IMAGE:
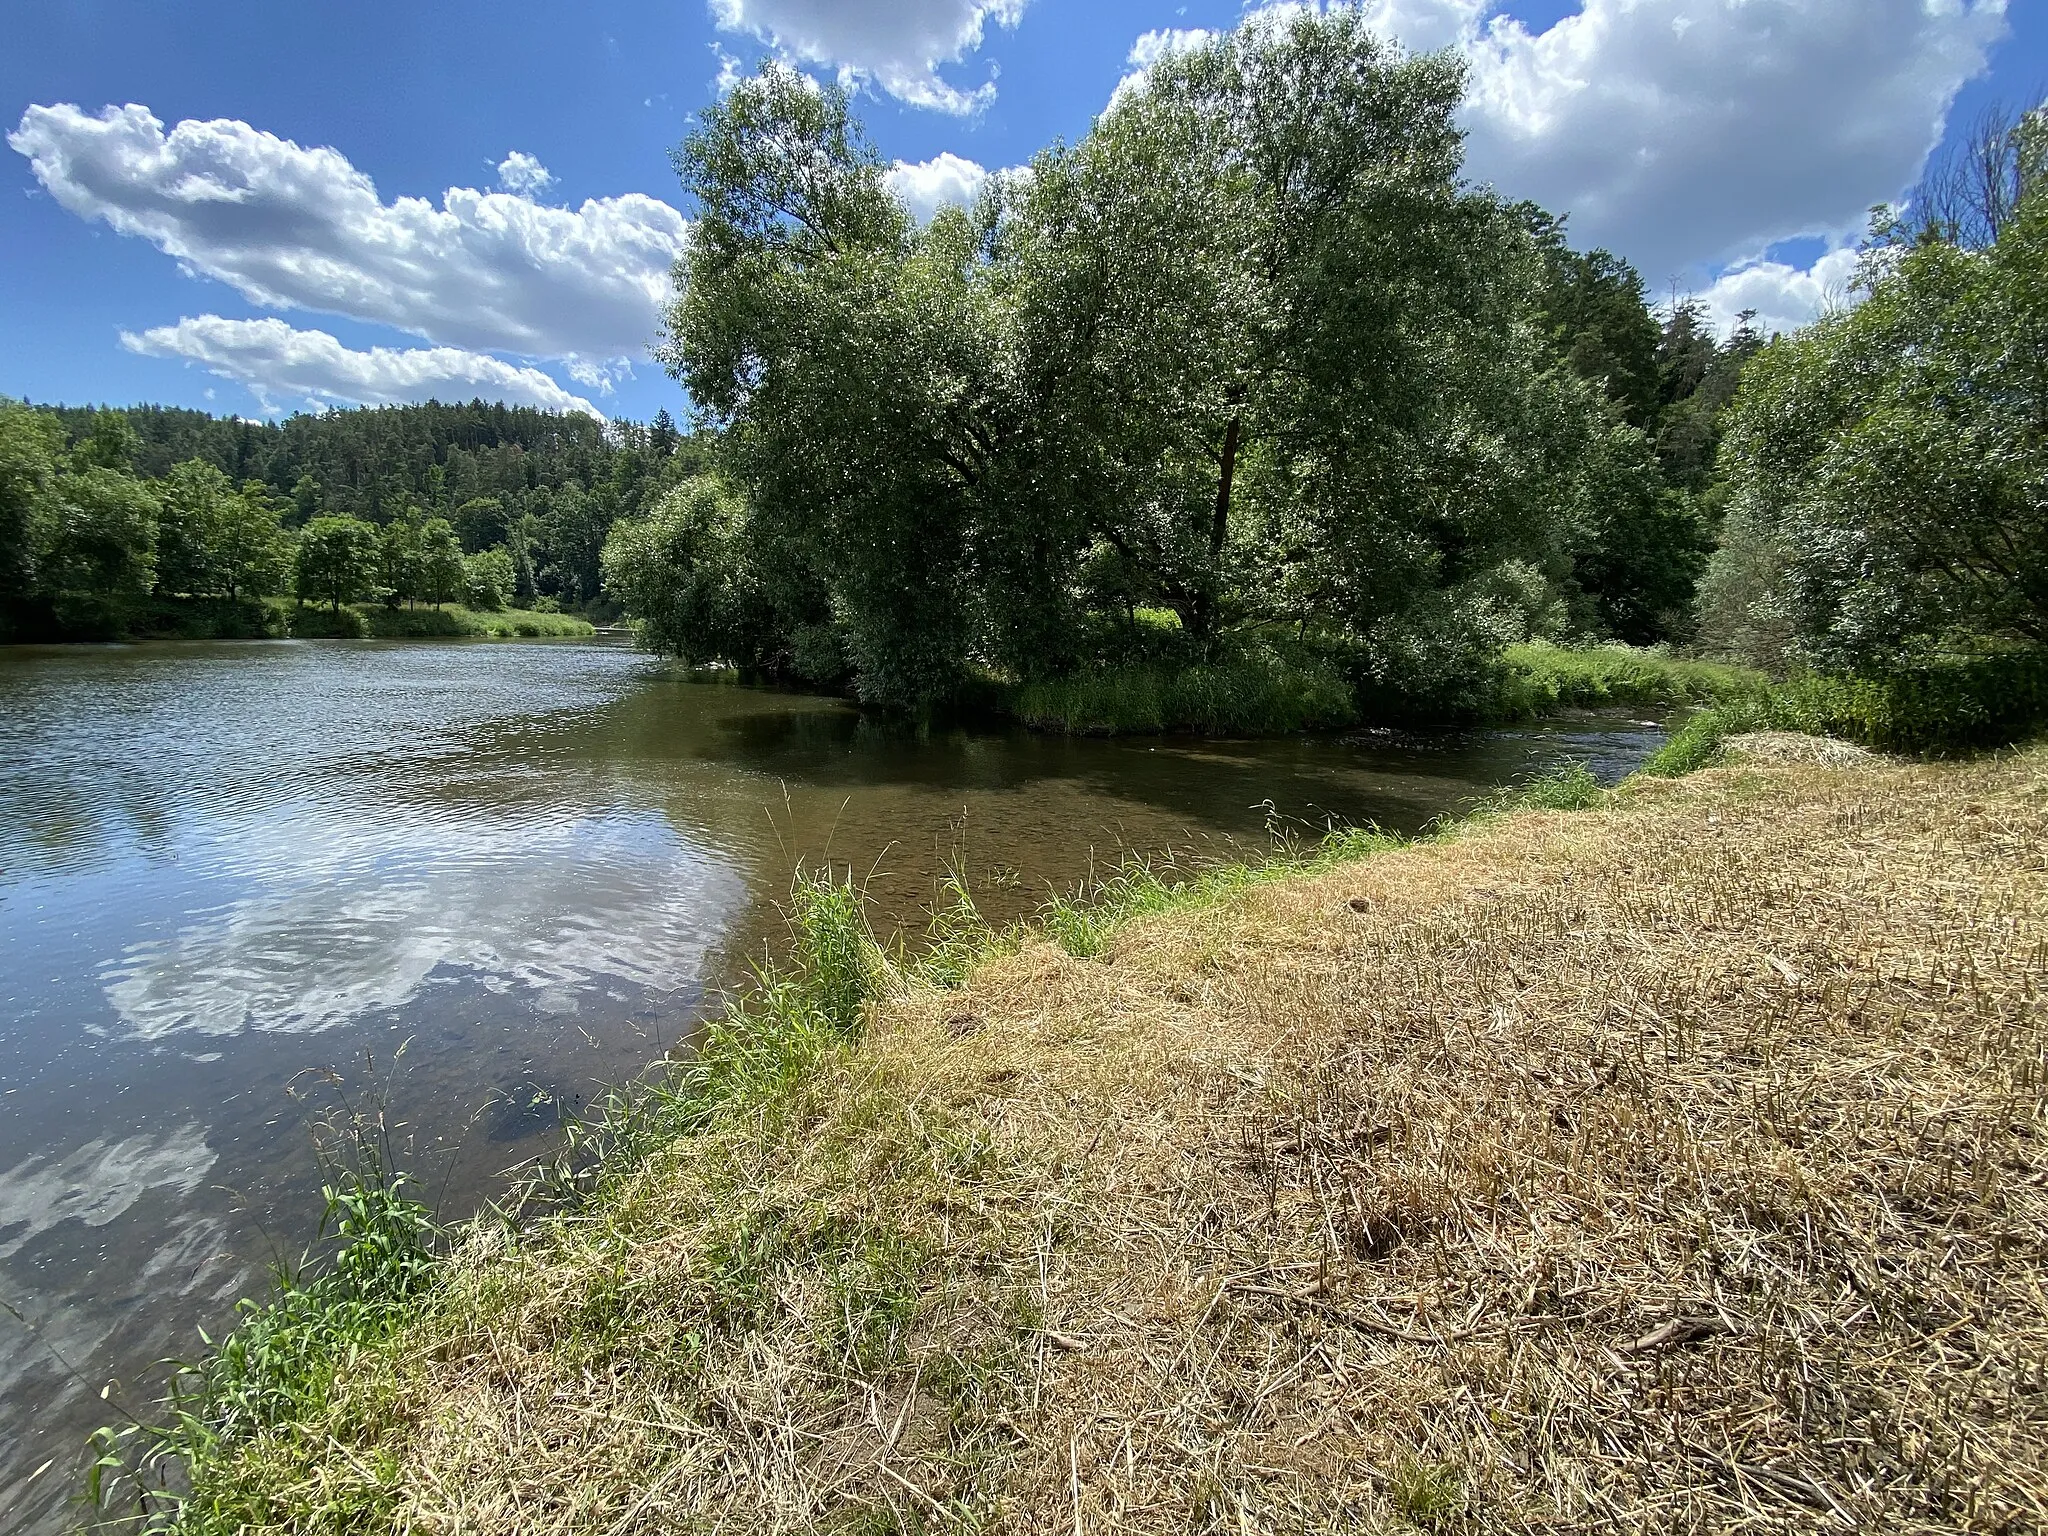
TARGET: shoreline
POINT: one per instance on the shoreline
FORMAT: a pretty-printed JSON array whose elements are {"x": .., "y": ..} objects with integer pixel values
[{"x": 849, "y": 1186}]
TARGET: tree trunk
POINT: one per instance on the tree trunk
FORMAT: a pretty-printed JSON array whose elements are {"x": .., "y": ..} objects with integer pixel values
[{"x": 1206, "y": 601}]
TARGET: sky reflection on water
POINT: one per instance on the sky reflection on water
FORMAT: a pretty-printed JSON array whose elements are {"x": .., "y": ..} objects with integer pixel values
[{"x": 470, "y": 883}]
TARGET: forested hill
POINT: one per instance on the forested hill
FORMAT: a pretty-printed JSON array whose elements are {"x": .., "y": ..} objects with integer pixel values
[
  {"x": 546, "y": 486},
  {"x": 371, "y": 461}
]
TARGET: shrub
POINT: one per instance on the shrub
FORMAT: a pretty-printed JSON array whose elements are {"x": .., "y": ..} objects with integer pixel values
[
  {"x": 1258, "y": 692},
  {"x": 1941, "y": 705},
  {"x": 1541, "y": 678}
]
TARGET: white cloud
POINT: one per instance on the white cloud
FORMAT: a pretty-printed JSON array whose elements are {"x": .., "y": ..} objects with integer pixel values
[
  {"x": 928, "y": 185},
  {"x": 1155, "y": 45},
  {"x": 274, "y": 359},
  {"x": 1161, "y": 42},
  {"x": 1782, "y": 297},
  {"x": 290, "y": 227},
  {"x": 522, "y": 175},
  {"x": 600, "y": 375},
  {"x": 1685, "y": 134},
  {"x": 1426, "y": 25},
  {"x": 898, "y": 45}
]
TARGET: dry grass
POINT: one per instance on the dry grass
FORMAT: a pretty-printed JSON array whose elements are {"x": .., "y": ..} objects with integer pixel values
[
  {"x": 1793, "y": 747},
  {"x": 1676, "y": 1165}
]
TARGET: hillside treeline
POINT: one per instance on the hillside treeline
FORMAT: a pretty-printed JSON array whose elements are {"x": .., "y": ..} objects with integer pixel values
[
  {"x": 1252, "y": 383},
  {"x": 1251, "y": 365},
  {"x": 103, "y": 510}
]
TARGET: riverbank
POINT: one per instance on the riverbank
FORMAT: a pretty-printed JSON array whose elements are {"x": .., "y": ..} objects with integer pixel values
[
  {"x": 1271, "y": 689},
  {"x": 1676, "y": 1160},
  {"x": 277, "y": 618}
]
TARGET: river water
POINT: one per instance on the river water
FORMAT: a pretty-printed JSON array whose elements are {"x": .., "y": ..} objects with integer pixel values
[{"x": 242, "y": 884}]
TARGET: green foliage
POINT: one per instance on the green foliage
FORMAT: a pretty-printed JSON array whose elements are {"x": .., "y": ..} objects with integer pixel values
[
  {"x": 381, "y": 622},
  {"x": 271, "y": 1377},
  {"x": 1427, "y": 1492},
  {"x": 100, "y": 537},
  {"x": 1743, "y": 604},
  {"x": 957, "y": 939},
  {"x": 1251, "y": 352},
  {"x": 487, "y": 579},
  {"x": 1083, "y": 922},
  {"x": 1888, "y": 472},
  {"x": 694, "y": 576},
  {"x": 192, "y": 501},
  {"x": 1944, "y": 705},
  {"x": 1542, "y": 678},
  {"x": 810, "y": 1002},
  {"x": 1593, "y": 306},
  {"x": 440, "y": 575},
  {"x": 29, "y": 444},
  {"x": 548, "y": 487},
  {"x": 216, "y": 541},
  {"x": 1570, "y": 787},
  {"x": 339, "y": 561},
  {"x": 1256, "y": 693}
]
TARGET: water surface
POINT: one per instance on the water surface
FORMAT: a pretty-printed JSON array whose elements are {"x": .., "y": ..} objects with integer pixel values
[{"x": 243, "y": 883}]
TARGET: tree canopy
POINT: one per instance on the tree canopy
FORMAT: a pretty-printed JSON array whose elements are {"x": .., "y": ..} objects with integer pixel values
[
  {"x": 1253, "y": 352},
  {"x": 1888, "y": 466}
]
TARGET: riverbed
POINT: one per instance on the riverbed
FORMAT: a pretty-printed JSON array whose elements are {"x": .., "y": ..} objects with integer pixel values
[{"x": 466, "y": 885}]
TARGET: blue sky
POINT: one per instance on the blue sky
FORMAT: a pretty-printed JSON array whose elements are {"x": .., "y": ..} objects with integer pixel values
[{"x": 259, "y": 208}]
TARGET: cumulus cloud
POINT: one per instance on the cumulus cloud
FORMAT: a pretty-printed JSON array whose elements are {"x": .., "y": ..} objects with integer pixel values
[
  {"x": 1686, "y": 134},
  {"x": 1779, "y": 296},
  {"x": 928, "y": 185},
  {"x": 1157, "y": 44},
  {"x": 290, "y": 227},
  {"x": 896, "y": 45},
  {"x": 600, "y": 375},
  {"x": 278, "y": 360},
  {"x": 524, "y": 176}
]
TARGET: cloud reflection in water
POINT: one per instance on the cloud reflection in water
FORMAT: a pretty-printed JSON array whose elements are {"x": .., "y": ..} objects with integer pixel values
[{"x": 344, "y": 918}]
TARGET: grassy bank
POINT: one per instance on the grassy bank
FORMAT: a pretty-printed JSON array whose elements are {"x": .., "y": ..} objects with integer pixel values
[
  {"x": 1675, "y": 1162},
  {"x": 1944, "y": 706},
  {"x": 1543, "y": 678},
  {"x": 1268, "y": 691},
  {"x": 274, "y": 618},
  {"x": 373, "y": 621}
]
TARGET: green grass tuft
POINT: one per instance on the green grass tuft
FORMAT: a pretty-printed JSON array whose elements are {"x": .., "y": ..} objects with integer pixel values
[
  {"x": 1543, "y": 678},
  {"x": 1570, "y": 787},
  {"x": 1259, "y": 693},
  {"x": 1938, "y": 707},
  {"x": 1426, "y": 1491},
  {"x": 372, "y": 621},
  {"x": 1083, "y": 922},
  {"x": 270, "y": 1380}
]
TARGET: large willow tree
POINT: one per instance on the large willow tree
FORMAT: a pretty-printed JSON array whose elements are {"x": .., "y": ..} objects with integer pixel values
[{"x": 1252, "y": 351}]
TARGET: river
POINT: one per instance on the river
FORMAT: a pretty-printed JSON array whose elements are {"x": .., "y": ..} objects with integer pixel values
[{"x": 471, "y": 883}]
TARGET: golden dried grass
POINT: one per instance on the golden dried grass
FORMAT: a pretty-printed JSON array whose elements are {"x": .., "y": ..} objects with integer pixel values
[{"x": 1677, "y": 1165}]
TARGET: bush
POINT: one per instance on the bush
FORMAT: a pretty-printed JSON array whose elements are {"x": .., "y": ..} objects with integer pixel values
[
  {"x": 307, "y": 623},
  {"x": 1541, "y": 678},
  {"x": 365, "y": 623},
  {"x": 1946, "y": 705},
  {"x": 270, "y": 1379},
  {"x": 1258, "y": 692},
  {"x": 1943, "y": 705}
]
